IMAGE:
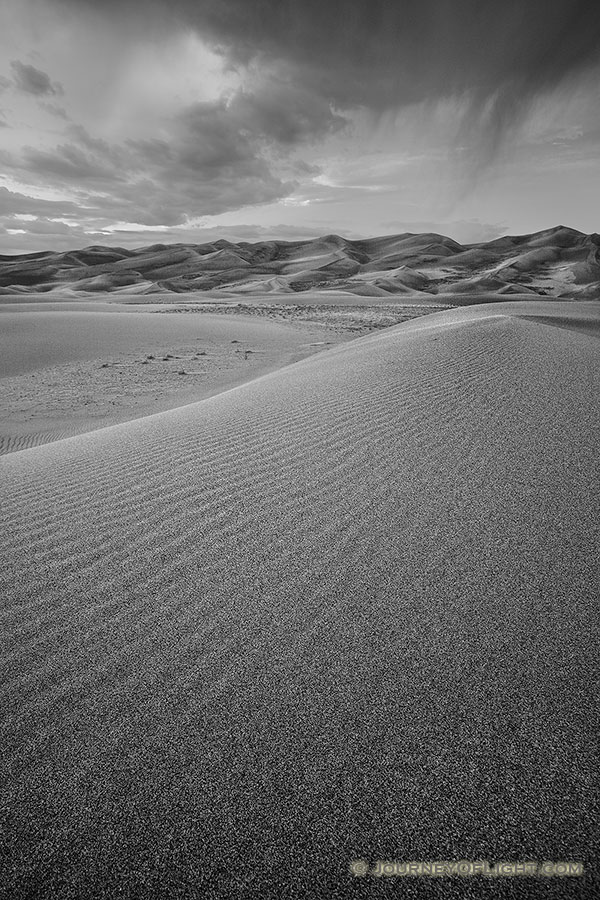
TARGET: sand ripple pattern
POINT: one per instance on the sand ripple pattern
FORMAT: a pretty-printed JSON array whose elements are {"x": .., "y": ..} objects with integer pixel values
[
  {"x": 12, "y": 443},
  {"x": 348, "y": 610}
]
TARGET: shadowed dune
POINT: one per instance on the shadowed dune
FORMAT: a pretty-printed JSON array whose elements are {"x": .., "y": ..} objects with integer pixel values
[
  {"x": 345, "y": 611},
  {"x": 558, "y": 262}
]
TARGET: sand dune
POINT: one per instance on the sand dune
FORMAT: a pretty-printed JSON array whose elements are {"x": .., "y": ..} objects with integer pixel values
[
  {"x": 347, "y": 610},
  {"x": 69, "y": 368},
  {"x": 558, "y": 262}
]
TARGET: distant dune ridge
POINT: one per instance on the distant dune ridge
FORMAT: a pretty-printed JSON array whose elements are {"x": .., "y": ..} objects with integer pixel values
[
  {"x": 559, "y": 262},
  {"x": 347, "y": 610}
]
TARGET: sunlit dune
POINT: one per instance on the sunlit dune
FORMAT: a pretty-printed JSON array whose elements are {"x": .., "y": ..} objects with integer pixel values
[
  {"x": 559, "y": 262},
  {"x": 346, "y": 607}
]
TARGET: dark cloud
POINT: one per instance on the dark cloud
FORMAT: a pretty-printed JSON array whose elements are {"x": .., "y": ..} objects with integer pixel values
[
  {"x": 13, "y": 203},
  {"x": 153, "y": 151},
  {"x": 285, "y": 112},
  {"x": 207, "y": 139},
  {"x": 67, "y": 162},
  {"x": 33, "y": 81},
  {"x": 211, "y": 163},
  {"x": 40, "y": 226},
  {"x": 385, "y": 53},
  {"x": 219, "y": 156},
  {"x": 307, "y": 66}
]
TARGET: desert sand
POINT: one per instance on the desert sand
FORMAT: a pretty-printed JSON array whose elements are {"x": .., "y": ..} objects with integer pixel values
[
  {"x": 558, "y": 262},
  {"x": 65, "y": 371},
  {"x": 68, "y": 365},
  {"x": 346, "y": 610}
]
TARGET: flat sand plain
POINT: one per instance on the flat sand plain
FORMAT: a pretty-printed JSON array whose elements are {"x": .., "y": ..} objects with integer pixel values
[
  {"x": 66, "y": 370},
  {"x": 71, "y": 366},
  {"x": 345, "y": 611}
]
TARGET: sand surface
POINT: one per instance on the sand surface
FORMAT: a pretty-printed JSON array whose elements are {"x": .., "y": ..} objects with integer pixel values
[
  {"x": 65, "y": 371},
  {"x": 558, "y": 262},
  {"x": 67, "y": 367},
  {"x": 347, "y": 610}
]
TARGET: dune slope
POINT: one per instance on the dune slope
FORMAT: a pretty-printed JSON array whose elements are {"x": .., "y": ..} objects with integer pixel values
[
  {"x": 558, "y": 262},
  {"x": 348, "y": 610}
]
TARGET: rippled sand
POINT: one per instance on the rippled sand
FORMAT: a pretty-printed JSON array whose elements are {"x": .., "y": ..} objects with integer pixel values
[{"x": 347, "y": 610}]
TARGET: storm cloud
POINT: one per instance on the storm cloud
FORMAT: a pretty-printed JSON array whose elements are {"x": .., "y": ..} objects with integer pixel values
[
  {"x": 211, "y": 163},
  {"x": 369, "y": 111},
  {"x": 14, "y": 203},
  {"x": 385, "y": 53}
]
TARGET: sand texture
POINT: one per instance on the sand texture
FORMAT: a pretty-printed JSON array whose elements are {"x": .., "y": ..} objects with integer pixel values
[
  {"x": 65, "y": 371},
  {"x": 346, "y": 610},
  {"x": 558, "y": 262}
]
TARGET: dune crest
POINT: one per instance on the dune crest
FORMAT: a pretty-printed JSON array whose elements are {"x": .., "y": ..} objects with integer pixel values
[
  {"x": 558, "y": 262},
  {"x": 345, "y": 611}
]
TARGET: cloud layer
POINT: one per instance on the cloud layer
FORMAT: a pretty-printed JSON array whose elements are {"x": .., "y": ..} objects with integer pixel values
[
  {"x": 293, "y": 104},
  {"x": 383, "y": 54}
]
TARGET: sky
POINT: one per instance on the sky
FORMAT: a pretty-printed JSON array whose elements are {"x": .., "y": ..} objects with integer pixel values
[{"x": 129, "y": 122}]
